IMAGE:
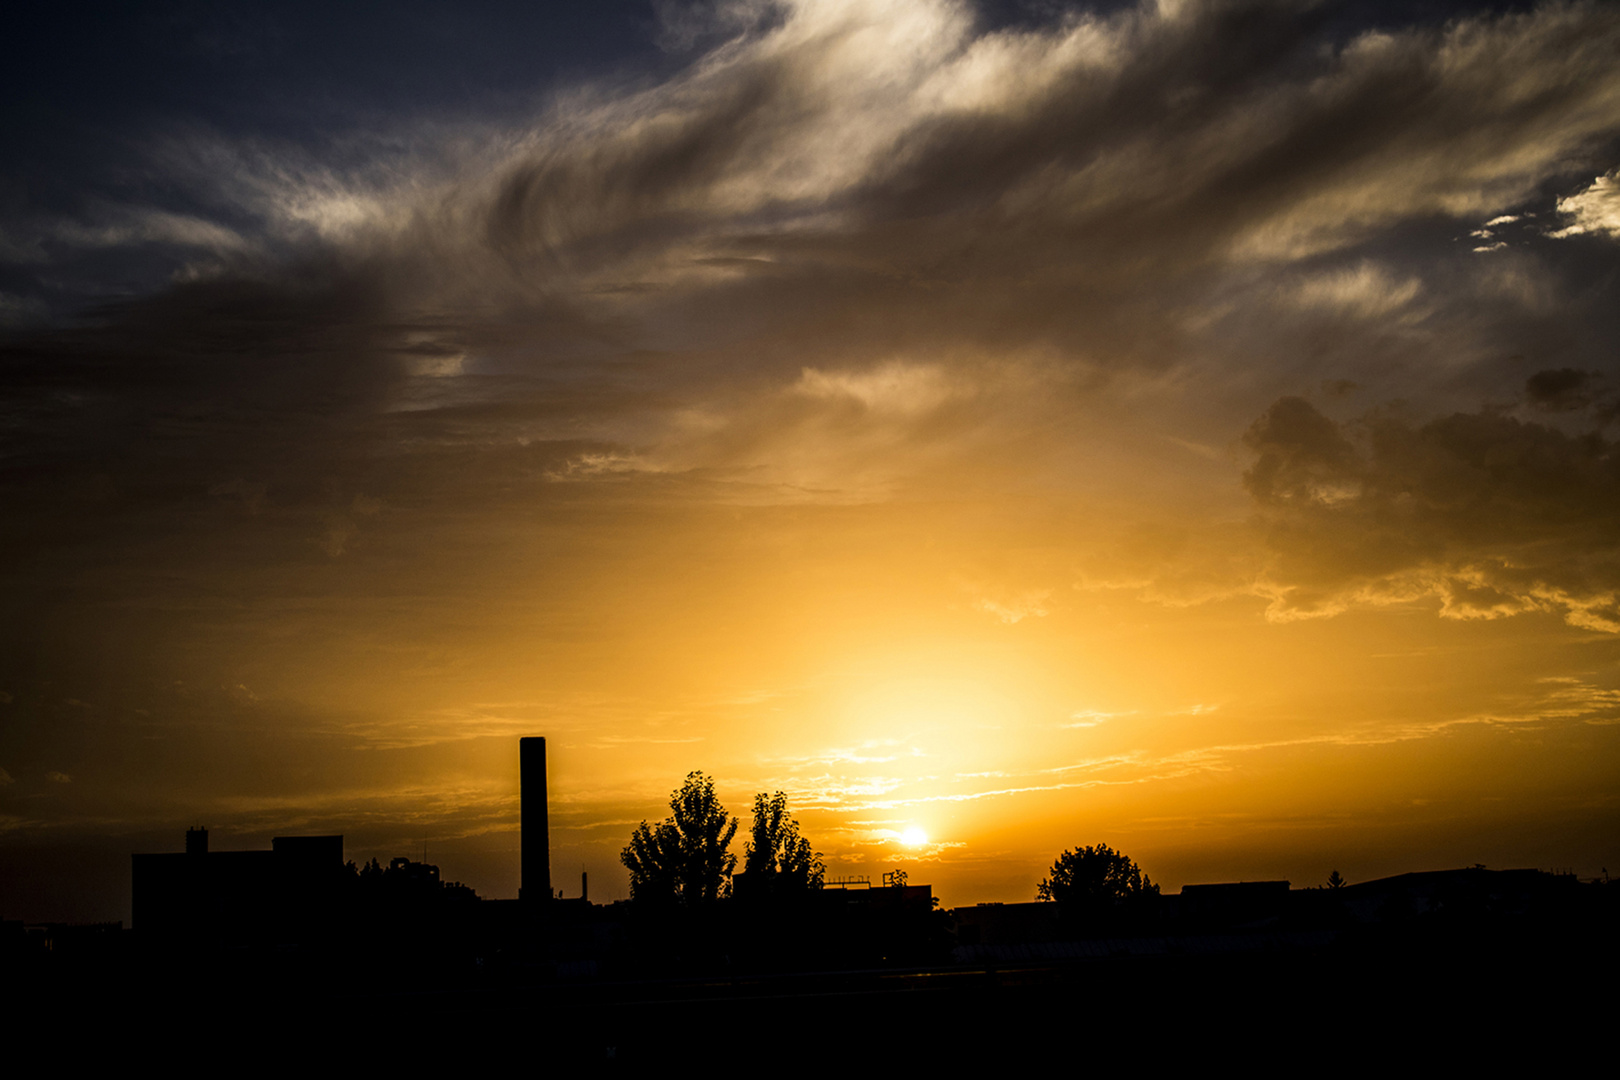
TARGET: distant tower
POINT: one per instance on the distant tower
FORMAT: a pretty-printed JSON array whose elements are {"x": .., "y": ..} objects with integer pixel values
[
  {"x": 535, "y": 882},
  {"x": 197, "y": 841}
]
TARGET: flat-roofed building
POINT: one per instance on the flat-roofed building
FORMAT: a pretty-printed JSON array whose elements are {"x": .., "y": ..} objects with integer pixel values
[{"x": 285, "y": 894}]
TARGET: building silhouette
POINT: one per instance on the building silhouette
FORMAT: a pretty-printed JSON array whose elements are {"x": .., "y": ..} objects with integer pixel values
[
  {"x": 404, "y": 919},
  {"x": 235, "y": 897}
]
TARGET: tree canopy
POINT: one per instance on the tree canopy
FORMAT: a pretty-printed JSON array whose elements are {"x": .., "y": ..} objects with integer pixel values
[
  {"x": 776, "y": 853},
  {"x": 1095, "y": 878},
  {"x": 684, "y": 857}
]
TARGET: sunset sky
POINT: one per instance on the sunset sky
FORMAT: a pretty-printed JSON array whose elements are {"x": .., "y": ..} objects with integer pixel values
[{"x": 1188, "y": 426}]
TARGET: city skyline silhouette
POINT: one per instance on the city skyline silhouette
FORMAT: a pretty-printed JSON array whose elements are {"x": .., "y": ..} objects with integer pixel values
[{"x": 989, "y": 432}]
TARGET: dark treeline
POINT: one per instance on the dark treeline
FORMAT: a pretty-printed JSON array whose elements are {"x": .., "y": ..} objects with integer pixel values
[
  {"x": 769, "y": 939},
  {"x": 1255, "y": 964}
]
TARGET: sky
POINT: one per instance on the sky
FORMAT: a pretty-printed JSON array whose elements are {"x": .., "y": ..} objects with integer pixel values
[{"x": 1188, "y": 426}]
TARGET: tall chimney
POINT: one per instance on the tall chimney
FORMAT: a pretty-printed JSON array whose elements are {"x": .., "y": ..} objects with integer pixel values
[{"x": 535, "y": 882}]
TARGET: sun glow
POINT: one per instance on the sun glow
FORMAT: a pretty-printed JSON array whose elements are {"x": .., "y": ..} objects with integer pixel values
[{"x": 912, "y": 836}]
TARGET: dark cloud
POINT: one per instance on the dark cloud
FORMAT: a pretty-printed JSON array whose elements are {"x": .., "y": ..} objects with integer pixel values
[
  {"x": 875, "y": 239},
  {"x": 1070, "y": 185},
  {"x": 899, "y": 168},
  {"x": 1491, "y": 514},
  {"x": 1561, "y": 389},
  {"x": 850, "y": 244},
  {"x": 1300, "y": 451}
]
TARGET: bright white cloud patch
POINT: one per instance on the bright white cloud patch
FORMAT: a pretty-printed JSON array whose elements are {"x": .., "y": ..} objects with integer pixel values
[{"x": 1595, "y": 210}]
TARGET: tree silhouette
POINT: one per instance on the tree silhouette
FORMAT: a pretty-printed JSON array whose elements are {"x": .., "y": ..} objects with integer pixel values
[
  {"x": 653, "y": 858},
  {"x": 1095, "y": 878},
  {"x": 776, "y": 853},
  {"x": 684, "y": 857},
  {"x": 1334, "y": 881}
]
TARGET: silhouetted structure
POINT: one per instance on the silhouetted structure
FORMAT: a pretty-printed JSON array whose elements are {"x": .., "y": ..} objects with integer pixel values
[
  {"x": 684, "y": 859},
  {"x": 535, "y": 839},
  {"x": 1234, "y": 902},
  {"x": 226, "y": 897},
  {"x": 380, "y": 929}
]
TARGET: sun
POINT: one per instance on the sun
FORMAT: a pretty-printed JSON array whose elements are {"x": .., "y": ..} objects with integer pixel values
[{"x": 912, "y": 836}]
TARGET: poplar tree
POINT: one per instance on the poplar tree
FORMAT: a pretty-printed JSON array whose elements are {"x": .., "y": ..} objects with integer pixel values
[
  {"x": 777, "y": 853},
  {"x": 684, "y": 858}
]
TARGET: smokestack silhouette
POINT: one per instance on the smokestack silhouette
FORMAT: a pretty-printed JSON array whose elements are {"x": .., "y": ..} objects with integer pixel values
[{"x": 535, "y": 879}]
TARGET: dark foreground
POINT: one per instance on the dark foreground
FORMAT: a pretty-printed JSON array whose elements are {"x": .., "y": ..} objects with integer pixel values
[{"x": 1459, "y": 996}]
